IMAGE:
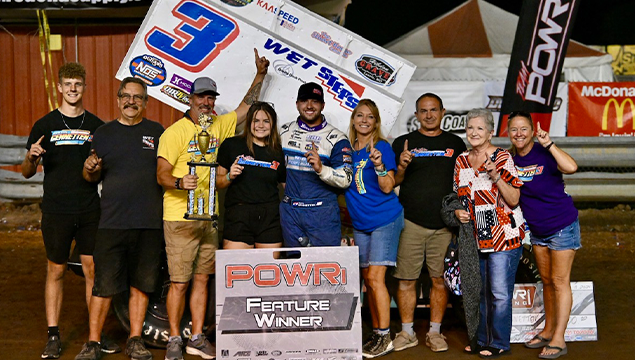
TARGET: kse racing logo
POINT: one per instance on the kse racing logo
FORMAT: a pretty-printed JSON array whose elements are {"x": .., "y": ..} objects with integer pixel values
[
  {"x": 345, "y": 91},
  {"x": 197, "y": 40}
]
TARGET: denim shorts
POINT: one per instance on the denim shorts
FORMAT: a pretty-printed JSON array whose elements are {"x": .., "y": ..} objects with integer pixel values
[
  {"x": 568, "y": 238},
  {"x": 379, "y": 247}
]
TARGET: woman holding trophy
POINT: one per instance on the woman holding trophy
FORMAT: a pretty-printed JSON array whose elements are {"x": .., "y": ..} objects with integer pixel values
[{"x": 251, "y": 166}]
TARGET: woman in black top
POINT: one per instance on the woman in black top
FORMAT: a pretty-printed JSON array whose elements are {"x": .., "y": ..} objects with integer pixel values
[{"x": 251, "y": 166}]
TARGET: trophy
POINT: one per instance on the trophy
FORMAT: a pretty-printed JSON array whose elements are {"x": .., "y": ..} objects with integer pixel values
[{"x": 196, "y": 201}]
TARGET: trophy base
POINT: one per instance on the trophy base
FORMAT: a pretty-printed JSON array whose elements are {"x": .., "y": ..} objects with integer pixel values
[{"x": 204, "y": 217}]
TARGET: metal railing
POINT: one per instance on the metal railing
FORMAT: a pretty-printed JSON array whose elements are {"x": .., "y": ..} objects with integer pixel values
[{"x": 606, "y": 168}]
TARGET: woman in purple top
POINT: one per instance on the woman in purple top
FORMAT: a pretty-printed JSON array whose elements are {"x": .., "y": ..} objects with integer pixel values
[{"x": 553, "y": 221}]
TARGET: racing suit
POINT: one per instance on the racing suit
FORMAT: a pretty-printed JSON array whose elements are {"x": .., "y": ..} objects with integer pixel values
[{"x": 309, "y": 212}]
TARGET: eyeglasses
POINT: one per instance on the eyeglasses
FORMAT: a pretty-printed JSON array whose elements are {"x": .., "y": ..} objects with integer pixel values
[
  {"x": 524, "y": 114},
  {"x": 126, "y": 97}
]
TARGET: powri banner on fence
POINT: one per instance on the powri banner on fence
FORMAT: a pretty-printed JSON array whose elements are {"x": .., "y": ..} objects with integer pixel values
[
  {"x": 601, "y": 109},
  {"x": 182, "y": 40}
]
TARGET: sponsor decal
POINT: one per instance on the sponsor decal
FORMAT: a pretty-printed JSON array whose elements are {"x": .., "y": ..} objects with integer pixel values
[
  {"x": 272, "y": 275},
  {"x": 527, "y": 173},
  {"x": 197, "y": 40},
  {"x": 237, "y": 3},
  {"x": 348, "y": 350},
  {"x": 345, "y": 91},
  {"x": 606, "y": 91},
  {"x": 148, "y": 142},
  {"x": 347, "y": 159},
  {"x": 148, "y": 68},
  {"x": 309, "y": 147},
  {"x": 544, "y": 54},
  {"x": 619, "y": 112},
  {"x": 329, "y": 351},
  {"x": 181, "y": 83},
  {"x": 276, "y": 353},
  {"x": 286, "y": 19},
  {"x": 176, "y": 94},
  {"x": 315, "y": 138},
  {"x": 262, "y": 353},
  {"x": 375, "y": 69},
  {"x": 70, "y": 137},
  {"x": 285, "y": 69},
  {"x": 312, "y": 351},
  {"x": 524, "y": 296},
  {"x": 333, "y": 45},
  {"x": 293, "y": 352},
  {"x": 224, "y": 353},
  {"x": 242, "y": 353}
]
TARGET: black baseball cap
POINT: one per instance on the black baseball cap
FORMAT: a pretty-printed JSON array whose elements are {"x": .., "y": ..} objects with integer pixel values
[{"x": 311, "y": 90}]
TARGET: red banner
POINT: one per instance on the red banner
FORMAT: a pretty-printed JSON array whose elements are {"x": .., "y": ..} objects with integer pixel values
[{"x": 601, "y": 109}]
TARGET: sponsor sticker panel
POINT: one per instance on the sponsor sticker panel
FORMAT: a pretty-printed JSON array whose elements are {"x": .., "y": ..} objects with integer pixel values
[
  {"x": 528, "y": 316},
  {"x": 294, "y": 308},
  {"x": 181, "y": 40},
  {"x": 601, "y": 109}
]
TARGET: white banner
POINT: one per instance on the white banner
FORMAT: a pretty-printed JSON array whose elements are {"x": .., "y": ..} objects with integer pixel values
[
  {"x": 528, "y": 313},
  {"x": 459, "y": 97},
  {"x": 288, "y": 309},
  {"x": 182, "y": 40}
]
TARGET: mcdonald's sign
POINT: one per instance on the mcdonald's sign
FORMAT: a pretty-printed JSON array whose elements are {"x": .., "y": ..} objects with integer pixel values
[
  {"x": 619, "y": 112},
  {"x": 601, "y": 109}
]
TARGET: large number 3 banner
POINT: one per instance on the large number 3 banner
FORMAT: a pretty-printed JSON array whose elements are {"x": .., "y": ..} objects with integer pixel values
[{"x": 181, "y": 40}]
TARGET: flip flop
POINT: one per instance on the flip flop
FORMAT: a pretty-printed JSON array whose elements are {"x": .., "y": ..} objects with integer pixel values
[
  {"x": 542, "y": 343},
  {"x": 494, "y": 352},
  {"x": 476, "y": 350},
  {"x": 561, "y": 351}
]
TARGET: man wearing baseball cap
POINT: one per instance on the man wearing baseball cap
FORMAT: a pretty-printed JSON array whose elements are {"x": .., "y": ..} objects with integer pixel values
[
  {"x": 319, "y": 166},
  {"x": 191, "y": 244}
]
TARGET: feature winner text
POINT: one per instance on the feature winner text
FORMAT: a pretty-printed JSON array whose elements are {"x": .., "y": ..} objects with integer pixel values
[{"x": 262, "y": 307}]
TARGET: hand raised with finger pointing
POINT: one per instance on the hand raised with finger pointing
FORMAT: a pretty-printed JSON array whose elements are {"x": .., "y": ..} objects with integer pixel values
[
  {"x": 313, "y": 158},
  {"x": 542, "y": 136},
  {"x": 406, "y": 156},
  {"x": 36, "y": 150},
  {"x": 92, "y": 163},
  {"x": 375, "y": 155}
]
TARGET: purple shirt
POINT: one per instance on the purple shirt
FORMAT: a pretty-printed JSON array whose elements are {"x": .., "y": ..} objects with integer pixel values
[{"x": 545, "y": 204}]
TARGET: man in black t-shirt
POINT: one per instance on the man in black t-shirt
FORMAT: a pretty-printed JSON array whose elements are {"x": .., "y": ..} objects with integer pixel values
[
  {"x": 425, "y": 169},
  {"x": 60, "y": 141},
  {"x": 130, "y": 236}
]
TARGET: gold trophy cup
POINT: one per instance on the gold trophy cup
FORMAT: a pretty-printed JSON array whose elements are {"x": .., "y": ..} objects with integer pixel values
[{"x": 196, "y": 209}]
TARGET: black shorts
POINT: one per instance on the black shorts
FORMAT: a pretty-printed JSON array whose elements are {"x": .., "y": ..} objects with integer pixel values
[
  {"x": 127, "y": 257},
  {"x": 253, "y": 223},
  {"x": 59, "y": 230}
]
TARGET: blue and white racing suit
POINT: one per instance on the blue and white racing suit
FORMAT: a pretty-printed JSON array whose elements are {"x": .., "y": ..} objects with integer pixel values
[{"x": 309, "y": 209}]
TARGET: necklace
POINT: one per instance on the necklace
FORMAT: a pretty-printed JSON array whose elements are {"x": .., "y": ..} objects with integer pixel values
[{"x": 68, "y": 127}]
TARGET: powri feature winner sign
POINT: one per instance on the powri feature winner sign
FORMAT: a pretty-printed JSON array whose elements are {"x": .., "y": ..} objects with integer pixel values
[{"x": 293, "y": 308}]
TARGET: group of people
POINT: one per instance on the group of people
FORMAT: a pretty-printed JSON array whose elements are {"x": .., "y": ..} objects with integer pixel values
[{"x": 145, "y": 182}]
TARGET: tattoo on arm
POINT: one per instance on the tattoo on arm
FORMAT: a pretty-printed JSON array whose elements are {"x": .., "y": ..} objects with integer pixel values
[{"x": 253, "y": 94}]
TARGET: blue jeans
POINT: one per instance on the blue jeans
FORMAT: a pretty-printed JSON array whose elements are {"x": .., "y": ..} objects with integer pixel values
[
  {"x": 379, "y": 247},
  {"x": 567, "y": 238},
  {"x": 498, "y": 272}
]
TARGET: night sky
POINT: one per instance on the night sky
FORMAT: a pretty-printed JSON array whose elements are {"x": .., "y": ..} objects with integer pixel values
[{"x": 598, "y": 22}]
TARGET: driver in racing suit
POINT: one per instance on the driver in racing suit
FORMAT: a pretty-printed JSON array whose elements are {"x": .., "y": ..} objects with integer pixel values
[{"x": 319, "y": 166}]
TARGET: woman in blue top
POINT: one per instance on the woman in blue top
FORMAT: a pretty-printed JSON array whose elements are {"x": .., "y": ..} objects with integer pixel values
[
  {"x": 553, "y": 221},
  {"x": 377, "y": 217}
]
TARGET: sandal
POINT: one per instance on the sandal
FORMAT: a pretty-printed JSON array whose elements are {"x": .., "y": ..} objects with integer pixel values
[
  {"x": 537, "y": 345},
  {"x": 561, "y": 351},
  {"x": 468, "y": 349},
  {"x": 493, "y": 352}
]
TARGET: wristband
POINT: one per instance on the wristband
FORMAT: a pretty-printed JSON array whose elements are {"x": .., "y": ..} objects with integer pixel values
[
  {"x": 381, "y": 173},
  {"x": 177, "y": 184},
  {"x": 228, "y": 178},
  {"x": 498, "y": 178},
  {"x": 548, "y": 146}
]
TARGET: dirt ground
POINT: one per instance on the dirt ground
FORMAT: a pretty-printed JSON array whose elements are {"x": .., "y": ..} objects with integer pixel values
[{"x": 607, "y": 258}]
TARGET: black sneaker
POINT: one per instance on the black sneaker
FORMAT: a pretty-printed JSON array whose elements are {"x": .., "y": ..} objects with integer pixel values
[
  {"x": 381, "y": 346},
  {"x": 90, "y": 351},
  {"x": 174, "y": 349},
  {"x": 201, "y": 347},
  {"x": 136, "y": 349},
  {"x": 108, "y": 346},
  {"x": 53, "y": 348}
]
